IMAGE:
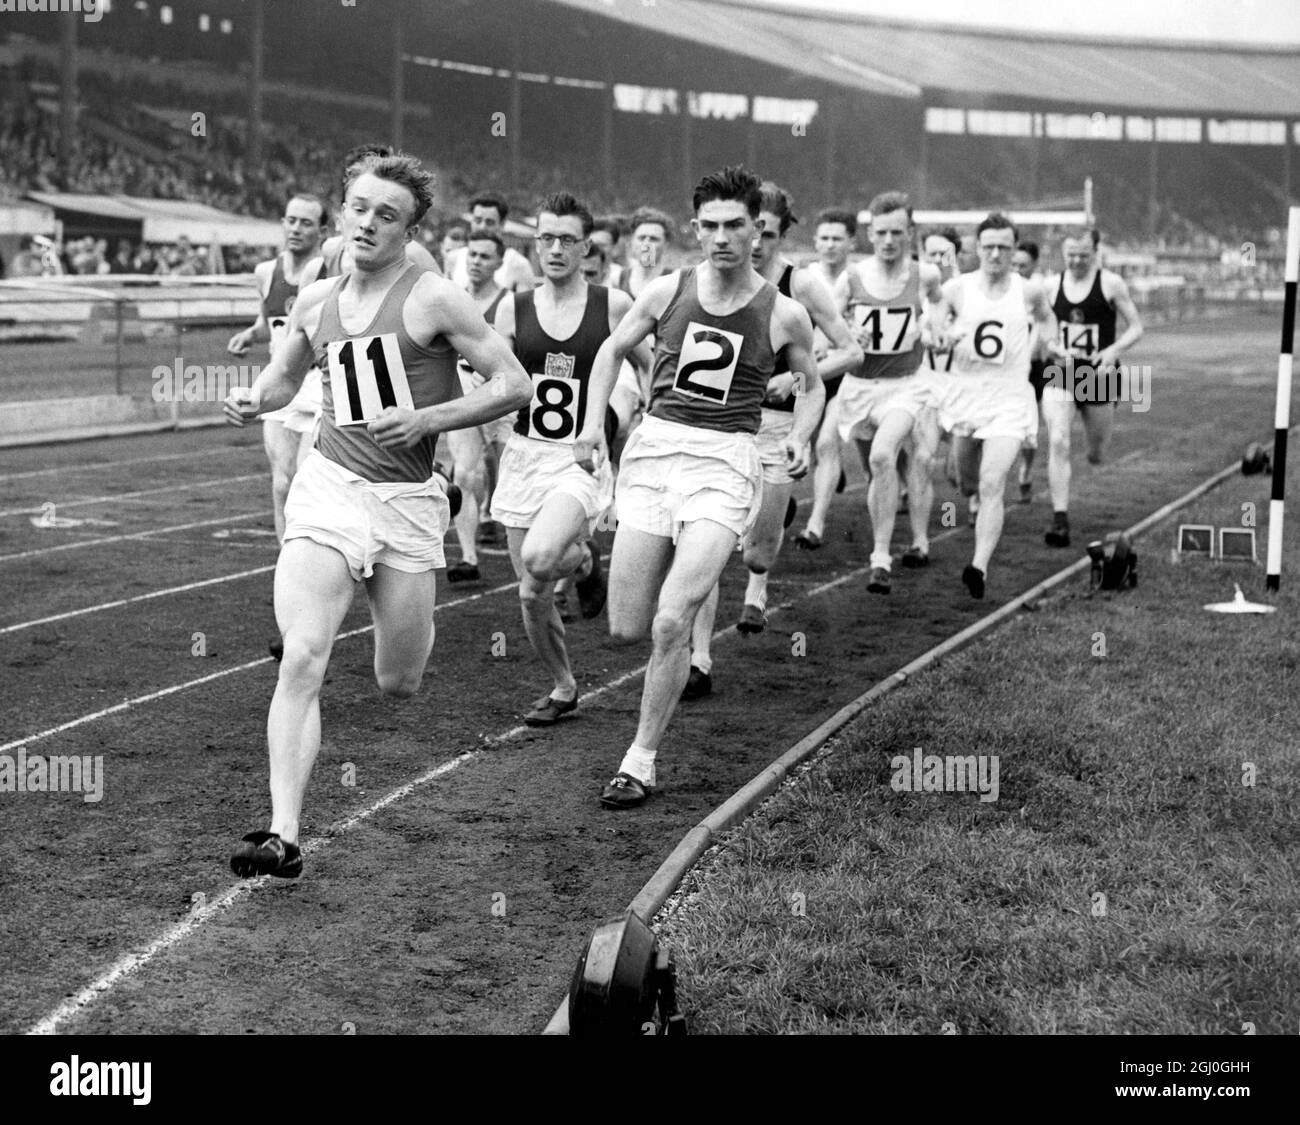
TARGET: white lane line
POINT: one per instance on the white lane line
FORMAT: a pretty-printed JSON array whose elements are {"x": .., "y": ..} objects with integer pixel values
[
  {"x": 134, "y": 535},
  {"x": 132, "y": 495},
  {"x": 138, "y": 598},
  {"x": 133, "y": 962},
  {"x": 127, "y": 704},
  {"x": 95, "y": 466}
]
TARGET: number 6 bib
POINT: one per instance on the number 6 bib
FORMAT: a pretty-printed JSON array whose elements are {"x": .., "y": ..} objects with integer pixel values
[
  {"x": 366, "y": 377},
  {"x": 708, "y": 362}
]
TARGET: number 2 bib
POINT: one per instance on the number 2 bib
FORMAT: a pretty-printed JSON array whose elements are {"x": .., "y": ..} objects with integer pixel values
[
  {"x": 366, "y": 377},
  {"x": 708, "y": 361}
]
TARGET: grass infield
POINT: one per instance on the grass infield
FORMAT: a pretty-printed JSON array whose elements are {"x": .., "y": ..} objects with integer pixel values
[{"x": 1136, "y": 874}]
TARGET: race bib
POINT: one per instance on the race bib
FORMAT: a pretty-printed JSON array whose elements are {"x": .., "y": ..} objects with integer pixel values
[
  {"x": 708, "y": 361},
  {"x": 279, "y": 326},
  {"x": 366, "y": 377},
  {"x": 559, "y": 402},
  {"x": 889, "y": 331},
  {"x": 989, "y": 342},
  {"x": 1080, "y": 340}
]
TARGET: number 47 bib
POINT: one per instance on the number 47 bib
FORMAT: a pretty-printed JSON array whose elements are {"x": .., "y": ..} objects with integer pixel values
[{"x": 366, "y": 377}]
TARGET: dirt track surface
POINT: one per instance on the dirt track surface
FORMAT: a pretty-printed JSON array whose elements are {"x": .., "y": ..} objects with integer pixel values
[{"x": 462, "y": 906}]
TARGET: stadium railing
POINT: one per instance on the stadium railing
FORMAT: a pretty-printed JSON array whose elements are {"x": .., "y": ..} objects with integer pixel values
[{"x": 91, "y": 356}]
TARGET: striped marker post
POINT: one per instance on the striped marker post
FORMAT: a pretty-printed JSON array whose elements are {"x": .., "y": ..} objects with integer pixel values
[{"x": 1282, "y": 413}]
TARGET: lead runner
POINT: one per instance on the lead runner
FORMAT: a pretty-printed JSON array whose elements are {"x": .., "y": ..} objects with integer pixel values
[
  {"x": 691, "y": 481},
  {"x": 362, "y": 506}
]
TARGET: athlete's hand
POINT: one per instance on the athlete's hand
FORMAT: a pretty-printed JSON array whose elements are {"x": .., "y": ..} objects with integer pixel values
[
  {"x": 1106, "y": 359},
  {"x": 779, "y": 387},
  {"x": 241, "y": 406},
  {"x": 398, "y": 427},
  {"x": 239, "y": 342},
  {"x": 798, "y": 457},
  {"x": 590, "y": 453}
]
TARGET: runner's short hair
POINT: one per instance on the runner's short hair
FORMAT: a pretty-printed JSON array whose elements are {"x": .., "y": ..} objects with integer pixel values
[
  {"x": 847, "y": 218},
  {"x": 487, "y": 236},
  {"x": 399, "y": 168},
  {"x": 779, "y": 202},
  {"x": 360, "y": 152},
  {"x": 561, "y": 204},
  {"x": 995, "y": 221},
  {"x": 490, "y": 199},
  {"x": 733, "y": 182},
  {"x": 610, "y": 224},
  {"x": 1079, "y": 234},
  {"x": 312, "y": 197},
  {"x": 1030, "y": 248},
  {"x": 888, "y": 201},
  {"x": 651, "y": 215}
]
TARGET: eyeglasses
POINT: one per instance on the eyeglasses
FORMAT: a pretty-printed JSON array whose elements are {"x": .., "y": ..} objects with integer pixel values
[{"x": 566, "y": 241}]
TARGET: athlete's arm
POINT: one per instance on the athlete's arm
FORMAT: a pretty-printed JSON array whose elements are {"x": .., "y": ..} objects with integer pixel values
[
  {"x": 641, "y": 319},
  {"x": 520, "y": 275},
  {"x": 504, "y": 320},
  {"x": 943, "y": 312},
  {"x": 815, "y": 295},
  {"x": 259, "y": 329},
  {"x": 1040, "y": 312},
  {"x": 1120, "y": 297},
  {"x": 436, "y": 307},
  {"x": 792, "y": 330},
  {"x": 640, "y": 357},
  {"x": 280, "y": 379},
  {"x": 931, "y": 295},
  {"x": 417, "y": 255}
]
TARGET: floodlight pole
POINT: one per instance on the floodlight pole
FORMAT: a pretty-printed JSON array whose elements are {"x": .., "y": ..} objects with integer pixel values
[
  {"x": 1282, "y": 413},
  {"x": 1087, "y": 202}
]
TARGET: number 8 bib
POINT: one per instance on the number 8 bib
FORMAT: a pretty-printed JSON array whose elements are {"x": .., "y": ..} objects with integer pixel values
[
  {"x": 557, "y": 409},
  {"x": 366, "y": 377}
]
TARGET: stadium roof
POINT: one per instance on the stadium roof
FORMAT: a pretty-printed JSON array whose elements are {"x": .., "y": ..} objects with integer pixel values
[{"x": 978, "y": 69}]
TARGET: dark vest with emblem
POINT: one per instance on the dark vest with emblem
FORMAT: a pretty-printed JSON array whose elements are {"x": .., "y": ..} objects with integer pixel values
[
  {"x": 1093, "y": 309},
  {"x": 559, "y": 369}
]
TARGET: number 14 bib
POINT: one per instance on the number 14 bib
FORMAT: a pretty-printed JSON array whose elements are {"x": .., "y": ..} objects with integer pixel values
[{"x": 366, "y": 377}]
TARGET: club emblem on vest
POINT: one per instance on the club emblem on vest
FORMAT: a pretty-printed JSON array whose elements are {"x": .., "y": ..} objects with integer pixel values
[
  {"x": 288, "y": 303},
  {"x": 559, "y": 366},
  {"x": 1076, "y": 316}
]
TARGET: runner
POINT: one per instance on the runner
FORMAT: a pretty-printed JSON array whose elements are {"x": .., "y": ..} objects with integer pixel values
[
  {"x": 1088, "y": 305},
  {"x": 488, "y": 213},
  {"x": 884, "y": 405},
  {"x": 762, "y": 544},
  {"x": 836, "y": 231},
  {"x": 986, "y": 400},
  {"x": 364, "y": 507},
  {"x": 1025, "y": 262},
  {"x": 287, "y": 434},
  {"x": 652, "y": 232},
  {"x": 548, "y": 504},
  {"x": 690, "y": 484},
  {"x": 470, "y": 448}
]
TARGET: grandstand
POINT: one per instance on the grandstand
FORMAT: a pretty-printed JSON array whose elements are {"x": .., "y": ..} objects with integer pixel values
[{"x": 1188, "y": 145}]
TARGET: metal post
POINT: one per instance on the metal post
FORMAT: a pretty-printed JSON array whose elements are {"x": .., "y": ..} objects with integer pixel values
[
  {"x": 398, "y": 75},
  {"x": 1282, "y": 413}
]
